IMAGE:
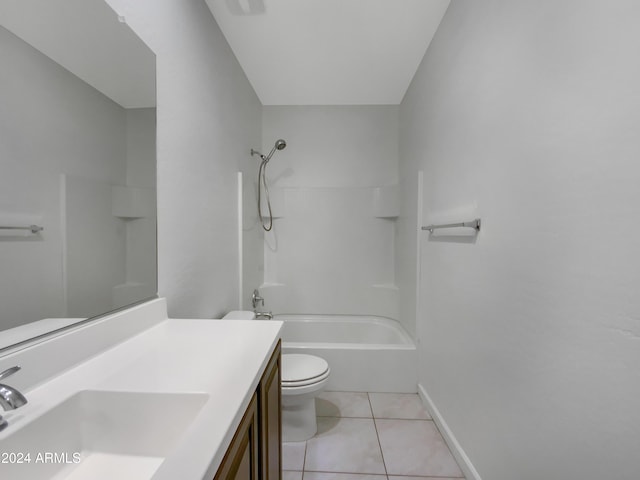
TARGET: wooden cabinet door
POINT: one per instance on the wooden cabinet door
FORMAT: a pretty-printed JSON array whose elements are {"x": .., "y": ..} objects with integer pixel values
[
  {"x": 270, "y": 422},
  {"x": 255, "y": 451},
  {"x": 241, "y": 462}
]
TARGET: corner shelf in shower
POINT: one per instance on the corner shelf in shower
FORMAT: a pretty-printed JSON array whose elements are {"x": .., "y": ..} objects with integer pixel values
[
  {"x": 386, "y": 202},
  {"x": 130, "y": 203}
]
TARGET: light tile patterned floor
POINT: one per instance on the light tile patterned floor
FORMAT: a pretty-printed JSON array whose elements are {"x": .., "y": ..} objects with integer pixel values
[{"x": 370, "y": 436}]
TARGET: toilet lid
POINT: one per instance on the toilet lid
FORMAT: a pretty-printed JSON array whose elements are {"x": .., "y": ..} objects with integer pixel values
[{"x": 302, "y": 369}]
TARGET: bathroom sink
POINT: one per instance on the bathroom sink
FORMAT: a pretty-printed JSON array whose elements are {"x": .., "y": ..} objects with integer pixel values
[{"x": 101, "y": 435}]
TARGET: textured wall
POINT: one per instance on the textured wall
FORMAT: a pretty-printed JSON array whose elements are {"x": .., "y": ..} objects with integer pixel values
[
  {"x": 528, "y": 113},
  {"x": 208, "y": 120}
]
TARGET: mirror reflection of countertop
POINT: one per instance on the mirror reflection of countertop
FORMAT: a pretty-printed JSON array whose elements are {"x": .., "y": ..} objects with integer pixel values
[
  {"x": 22, "y": 333},
  {"x": 218, "y": 361}
]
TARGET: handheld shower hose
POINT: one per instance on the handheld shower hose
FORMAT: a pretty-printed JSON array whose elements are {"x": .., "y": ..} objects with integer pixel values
[{"x": 262, "y": 183}]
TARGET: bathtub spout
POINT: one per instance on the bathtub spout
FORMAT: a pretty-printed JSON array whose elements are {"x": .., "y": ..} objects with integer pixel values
[{"x": 263, "y": 315}]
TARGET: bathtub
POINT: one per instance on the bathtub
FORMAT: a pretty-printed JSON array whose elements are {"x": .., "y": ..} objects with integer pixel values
[{"x": 365, "y": 353}]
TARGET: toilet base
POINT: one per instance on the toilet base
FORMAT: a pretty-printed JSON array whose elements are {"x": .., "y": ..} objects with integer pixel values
[
  {"x": 299, "y": 396},
  {"x": 299, "y": 420}
]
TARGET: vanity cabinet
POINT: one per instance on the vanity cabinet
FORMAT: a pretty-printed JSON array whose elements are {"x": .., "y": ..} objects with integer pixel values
[
  {"x": 270, "y": 404},
  {"x": 255, "y": 451},
  {"x": 241, "y": 460}
]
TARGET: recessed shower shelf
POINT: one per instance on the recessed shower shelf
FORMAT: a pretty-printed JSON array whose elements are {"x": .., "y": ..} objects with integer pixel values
[
  {"x": 132, "y": 202},
  {"x": 386, "y": 202}
]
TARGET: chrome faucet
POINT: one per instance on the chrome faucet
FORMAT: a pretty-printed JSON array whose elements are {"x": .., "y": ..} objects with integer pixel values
[
  {"x": 10, "y": 398},
  {"x": 257, "y": 299}
]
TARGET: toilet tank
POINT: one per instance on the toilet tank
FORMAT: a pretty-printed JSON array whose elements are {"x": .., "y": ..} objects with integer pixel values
[{"x": 240, "y": 315}]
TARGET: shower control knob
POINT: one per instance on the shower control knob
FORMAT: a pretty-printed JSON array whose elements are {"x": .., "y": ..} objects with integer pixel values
[{"x": 256, "y": 298}]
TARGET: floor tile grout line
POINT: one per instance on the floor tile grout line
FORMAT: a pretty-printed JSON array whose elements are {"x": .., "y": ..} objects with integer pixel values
[
  {"x": 341, "y": 416},
  {"x": 446, "y": 444},
  {"x": 439, "y": 433},
  {"x": 304, "y": 457},
  {"x": 354, "y": 473},
  {"x": 377, "y": 474},
  {"x": 391, "y": 417},
  {"x": 426, "y": 476},
  {"x": 375, "y": 418},
  {"x": 375, "y": 426}
]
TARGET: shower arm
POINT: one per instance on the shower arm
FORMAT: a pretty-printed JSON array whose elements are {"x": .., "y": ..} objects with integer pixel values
[{"x": 264, "y": 159}]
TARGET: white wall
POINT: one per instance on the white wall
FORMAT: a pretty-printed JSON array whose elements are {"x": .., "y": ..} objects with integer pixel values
[
  {"x": 529, "y": 336},
  {"x": 208, "y": 120},
  {"x": 40, "y": 136},
  {"x": 141, "y": 147},
  {"x": 407, "y": 267},
  {"x": 332, "y": 146},
  {"x": 94, "y": 247},
  {"x": 142, "y": 262},
  {"x": 330, "y": 251}
]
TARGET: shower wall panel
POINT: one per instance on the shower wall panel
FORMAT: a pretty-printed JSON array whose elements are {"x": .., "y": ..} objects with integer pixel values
[{"x": 332, "y": 246}]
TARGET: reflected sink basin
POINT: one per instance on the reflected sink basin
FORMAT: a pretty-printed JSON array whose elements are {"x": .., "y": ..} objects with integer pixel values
[{"x": 101, "y": 435}]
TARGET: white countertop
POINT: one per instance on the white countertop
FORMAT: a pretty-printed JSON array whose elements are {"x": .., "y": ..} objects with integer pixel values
[
  {"x": 14, "y": 335},
  {"x": 222, "y": 358}
]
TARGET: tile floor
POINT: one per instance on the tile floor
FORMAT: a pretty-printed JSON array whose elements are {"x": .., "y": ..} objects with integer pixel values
[{"x": 370, "y": 436}]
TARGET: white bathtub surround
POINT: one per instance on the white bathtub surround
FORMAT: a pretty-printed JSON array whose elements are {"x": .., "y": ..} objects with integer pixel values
[
  {"x": 336, "y": 201},
  {"x": 529, "y": 110},
  {"x": 360, "y": 331},
  {"x": 336, "y": 233},
  {"x": 170, "y": 356},
  {"x": 364, "y": 353}
]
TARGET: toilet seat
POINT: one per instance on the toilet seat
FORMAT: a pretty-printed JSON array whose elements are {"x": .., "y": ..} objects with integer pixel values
[
  {"x": 304, "y": 383},
  {"x": 299, "y": 370}
]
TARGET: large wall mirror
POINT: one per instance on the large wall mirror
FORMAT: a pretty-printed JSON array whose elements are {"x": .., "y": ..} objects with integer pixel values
[{"x": 77, "y": 166}]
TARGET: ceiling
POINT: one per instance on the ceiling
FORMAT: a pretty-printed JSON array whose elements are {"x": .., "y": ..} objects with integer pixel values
[
  {"x": 329, "y": 52},
  {"x": 109, "y": 57}
]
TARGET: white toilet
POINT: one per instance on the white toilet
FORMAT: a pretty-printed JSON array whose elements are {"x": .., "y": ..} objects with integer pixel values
[{"x": 303, "y": 378}]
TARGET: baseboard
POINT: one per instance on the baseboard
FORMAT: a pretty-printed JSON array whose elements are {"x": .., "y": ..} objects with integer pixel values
[{"x": 463, "y": 461}]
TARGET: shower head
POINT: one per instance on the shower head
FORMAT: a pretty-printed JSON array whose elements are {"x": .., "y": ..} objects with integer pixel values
[{"x": 279, "y": 145}]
